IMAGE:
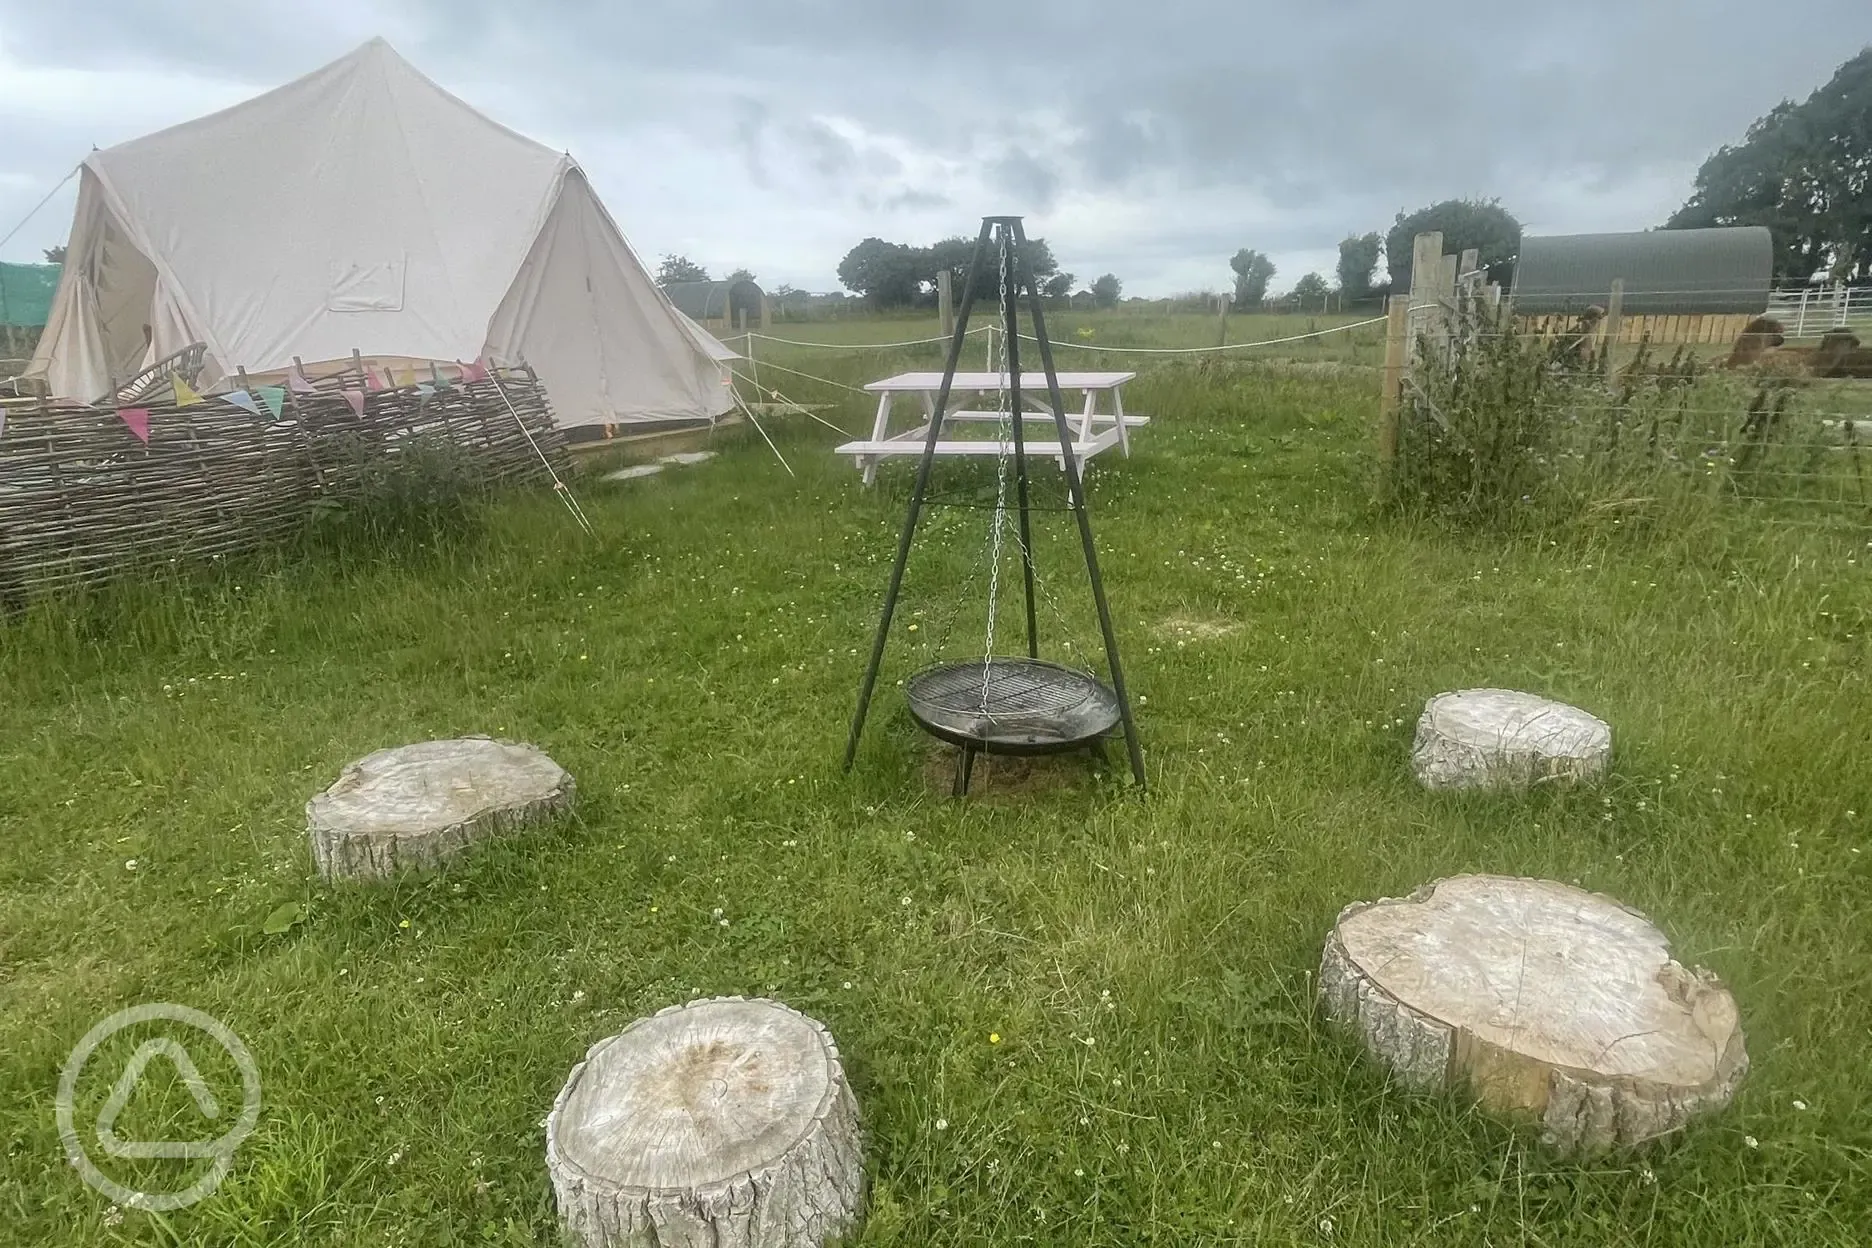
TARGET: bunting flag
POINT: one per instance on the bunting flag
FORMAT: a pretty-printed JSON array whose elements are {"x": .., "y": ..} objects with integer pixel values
[
  {"x": 185, "y": 394},
  {"x": 274, "y": 397},
  {"x": 296, "y": 379},
  {"x": 409, "y": 378},
  {"x": 476, "y": 371},
  {"x": 425, "y": 389},
  {"x": 138, "y": 420},
  {"x": 373, "y": 382},
  {"x": 356, "y": 399},
  {"x": 241, "y": 399}
]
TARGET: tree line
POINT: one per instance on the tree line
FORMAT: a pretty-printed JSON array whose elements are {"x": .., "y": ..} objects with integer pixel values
[{"x": 896, "y": 275}]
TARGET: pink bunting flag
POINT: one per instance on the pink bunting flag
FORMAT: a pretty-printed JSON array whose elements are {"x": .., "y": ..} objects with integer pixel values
[
  {"x": 243, "y": 400},
  {"x": 138, "y": 420},
  {"x": 274, "y": 397},
  {"x": 476, "y": 371},
  {"x": 296, "y": 379},
  {"x": 356, "y": 399},
  {"x": 373, "y": 382}
]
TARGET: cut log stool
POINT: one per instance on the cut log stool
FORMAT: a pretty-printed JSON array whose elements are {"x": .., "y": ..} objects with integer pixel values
[
  {"x": 1546, "y": 1000},
  {"x": 421, "y": 805},
  {"x": 722, "y": 1122},
  {"x": 1497, "y": 738}
]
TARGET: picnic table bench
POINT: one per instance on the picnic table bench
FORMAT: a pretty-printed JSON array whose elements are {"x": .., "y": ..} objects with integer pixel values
[{"x": 1093, "y": 429}]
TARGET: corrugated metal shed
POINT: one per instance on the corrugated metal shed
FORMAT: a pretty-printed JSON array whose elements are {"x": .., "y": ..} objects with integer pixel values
[
  {"x": 1666, "y": 272},
  {"x": 714, "y": 301}
]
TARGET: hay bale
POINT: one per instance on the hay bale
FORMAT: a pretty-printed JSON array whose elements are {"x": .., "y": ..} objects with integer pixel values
[
  {"x": 1497, "y": 738},
  {"x": 724, "y": 1121},
  {"x": 1547, "y": 1001},
  {"x": 421, "y": 805}
]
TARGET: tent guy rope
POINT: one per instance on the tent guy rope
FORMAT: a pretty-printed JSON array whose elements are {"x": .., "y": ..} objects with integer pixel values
[
  {"x": 34, "y": 210},
  {"x": 559, "y": 487}
]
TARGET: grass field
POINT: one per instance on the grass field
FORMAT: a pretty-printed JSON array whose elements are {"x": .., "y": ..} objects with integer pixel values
[{"x": 1073, "y": 1015}]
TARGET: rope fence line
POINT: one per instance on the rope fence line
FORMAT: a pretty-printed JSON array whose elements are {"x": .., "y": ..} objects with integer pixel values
[
  {"x": 851, "y": 346},
  {"x": 809, "y": 377},
  {"x": 1078, "y": 346},
  {"x": 1233, "y": 346}
]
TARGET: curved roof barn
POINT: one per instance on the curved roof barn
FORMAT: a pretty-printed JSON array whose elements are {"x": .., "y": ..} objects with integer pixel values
[{"x": 1666, "y": 272}]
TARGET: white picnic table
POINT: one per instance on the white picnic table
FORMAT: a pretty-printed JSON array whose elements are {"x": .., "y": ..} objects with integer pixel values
[{"x": 1093, "y": 429}]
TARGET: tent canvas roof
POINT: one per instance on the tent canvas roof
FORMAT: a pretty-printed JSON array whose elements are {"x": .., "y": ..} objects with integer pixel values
[{"x": 364, "y": 207}]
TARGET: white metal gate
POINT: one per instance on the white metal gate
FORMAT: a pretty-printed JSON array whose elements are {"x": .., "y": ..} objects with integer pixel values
[{"x": 1811, "y": 311}]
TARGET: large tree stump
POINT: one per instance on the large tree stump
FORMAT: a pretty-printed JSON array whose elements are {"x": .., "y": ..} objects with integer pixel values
[
  {"x": 1544, "y": 999},
  {"x": 421, "y": 805},
  {"x": 721, "y": 1122},
  {"x": 1497, "y": 738}
]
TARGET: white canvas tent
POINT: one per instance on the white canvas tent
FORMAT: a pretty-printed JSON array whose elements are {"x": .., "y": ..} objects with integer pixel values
[{"x": 364, "y": 207}]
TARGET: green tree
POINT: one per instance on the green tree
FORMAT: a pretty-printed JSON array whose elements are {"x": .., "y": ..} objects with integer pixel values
[
  {"x": 1253, "y": 272},
  {"x": 1106, "y": 290},
  {"x": 1480, "y": 223},
  {"x": 679, "y": 269},
  {"x": 1804, "y": 171},
  {"x": 888, "y": 275},
  {"x": 1309, "y": 292},
  {"x": 955, "y": 254},
  {"x": 742, "y": 275},
  {"x": 1059, "y": 286},
  {"x": 1358, "y": 258},
  {"x": 55, "y": 255}
]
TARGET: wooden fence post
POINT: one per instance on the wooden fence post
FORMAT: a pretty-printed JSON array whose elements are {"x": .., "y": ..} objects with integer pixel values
[
  {"x": 1397, "y": 343},
  {"x": 1614, "y": 321},
  {"x": 1222, "y": 311},
  {"x": 1425, "y": 272},
  {"x": 945, "y": 302}
]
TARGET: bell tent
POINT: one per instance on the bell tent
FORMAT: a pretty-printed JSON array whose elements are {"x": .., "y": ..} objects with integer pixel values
[{"x": 362, "y": 207}]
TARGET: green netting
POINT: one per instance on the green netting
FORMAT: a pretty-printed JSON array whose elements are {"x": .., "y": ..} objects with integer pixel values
[{"x": 26, "y": 293}]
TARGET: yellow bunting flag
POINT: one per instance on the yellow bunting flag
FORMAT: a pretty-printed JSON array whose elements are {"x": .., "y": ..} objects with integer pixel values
[{"x": 185, "y": 394}]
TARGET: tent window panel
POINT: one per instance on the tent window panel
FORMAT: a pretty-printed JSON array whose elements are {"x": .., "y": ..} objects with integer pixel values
[{"x": 374, "y": 287}]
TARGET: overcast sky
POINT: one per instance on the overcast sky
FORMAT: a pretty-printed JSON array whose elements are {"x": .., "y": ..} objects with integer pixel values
[{"x": 1148, "y": 140}]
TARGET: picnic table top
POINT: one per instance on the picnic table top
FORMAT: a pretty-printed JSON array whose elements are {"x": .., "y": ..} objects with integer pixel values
[{"x": 1034, "y": 380}]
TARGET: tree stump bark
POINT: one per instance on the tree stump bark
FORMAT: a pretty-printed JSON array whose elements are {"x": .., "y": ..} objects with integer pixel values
[
  {"x": 1497, "y": 738},
  {"x": 1544, "y": 999},
  {"x": 421, "y": 805},
  {"x": 724, "y": 1123}
]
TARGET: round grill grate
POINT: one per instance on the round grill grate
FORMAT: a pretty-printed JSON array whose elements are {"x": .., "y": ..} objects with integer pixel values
[{"x": 1011, "y": 705}]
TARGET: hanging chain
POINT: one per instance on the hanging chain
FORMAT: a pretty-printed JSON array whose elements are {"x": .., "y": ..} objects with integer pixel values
[{"x": 1004, "y": 432}]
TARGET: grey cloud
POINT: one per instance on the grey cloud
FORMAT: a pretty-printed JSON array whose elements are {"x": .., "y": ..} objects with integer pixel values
[
  {"x": 1335, "y": 114},
  {"x": 1031, "y": 181}
]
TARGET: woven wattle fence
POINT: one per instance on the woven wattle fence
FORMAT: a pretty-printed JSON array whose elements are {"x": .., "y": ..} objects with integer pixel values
[{"x": 84, "y": 501}]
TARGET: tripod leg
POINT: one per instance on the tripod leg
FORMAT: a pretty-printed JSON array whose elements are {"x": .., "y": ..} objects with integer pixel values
[
  {"x": 965, "y": 767},
  {"x": 916, "y": 499}
]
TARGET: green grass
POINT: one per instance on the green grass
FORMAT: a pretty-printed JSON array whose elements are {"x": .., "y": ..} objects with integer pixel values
[{"x": 1160, "y": 1075}]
